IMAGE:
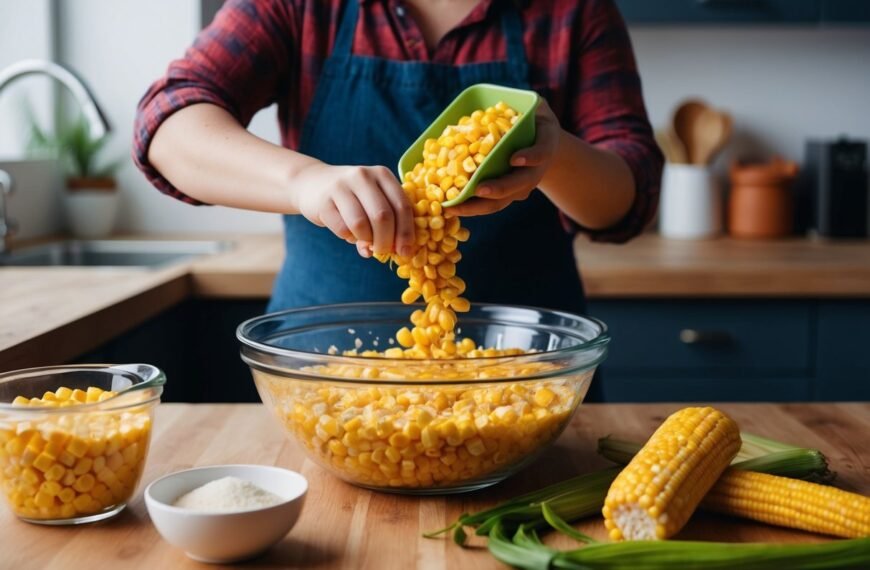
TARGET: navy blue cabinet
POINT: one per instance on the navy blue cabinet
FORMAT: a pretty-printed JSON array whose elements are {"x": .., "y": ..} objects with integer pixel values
[
  {"x": 737, "y": 12},
  {"x": 845, "y": 12},
  {"x": 843, "y": 351},
  {"x": 675, "y": 350},
  {"x": 730, "y": 337},
  {"x": 735, "y": 350},
  {"x": 720, "y": 11}
]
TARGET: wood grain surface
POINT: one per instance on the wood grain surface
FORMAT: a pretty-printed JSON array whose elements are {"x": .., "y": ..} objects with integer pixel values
[
  {"x": 345, "y": 527},
  {"x": 51, "y": 315},
  {"x": 651, "y": 266}
]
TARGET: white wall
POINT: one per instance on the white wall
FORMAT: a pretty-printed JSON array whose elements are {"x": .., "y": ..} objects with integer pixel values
[
  {"x": 781, "y": 85},
  {"x": 25, "y": 32},
  {"x": 120, "y": 47}
]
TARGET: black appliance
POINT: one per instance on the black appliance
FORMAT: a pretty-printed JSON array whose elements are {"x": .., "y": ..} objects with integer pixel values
[{"x": 834, "y": 193}]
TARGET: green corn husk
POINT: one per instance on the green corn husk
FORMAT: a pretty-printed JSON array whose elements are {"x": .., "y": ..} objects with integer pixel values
[
  {"x": 526, "y": 551},
  {"x": 756, "y": 454},
  {"x": 583, "y": 496}
]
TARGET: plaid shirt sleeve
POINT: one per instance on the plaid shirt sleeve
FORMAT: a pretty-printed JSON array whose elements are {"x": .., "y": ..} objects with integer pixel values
[
  {"x": 607, "y": 111},
  {"x": 240, "y": 63}
]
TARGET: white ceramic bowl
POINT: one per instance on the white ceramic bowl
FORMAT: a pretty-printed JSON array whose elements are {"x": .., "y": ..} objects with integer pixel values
[{"x": 220, "y": 537}]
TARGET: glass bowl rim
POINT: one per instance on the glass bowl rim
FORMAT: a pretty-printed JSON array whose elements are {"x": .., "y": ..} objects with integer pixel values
[
  {"x": 600, "y": 340},
  {"x": 155, "y": 382}
]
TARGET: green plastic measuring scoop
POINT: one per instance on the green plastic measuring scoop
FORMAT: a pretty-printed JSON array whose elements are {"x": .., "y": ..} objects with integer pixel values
[{"x": 497, "y": 162}]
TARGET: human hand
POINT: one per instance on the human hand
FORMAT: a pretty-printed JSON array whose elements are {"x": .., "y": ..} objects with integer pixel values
[
  {"x": 530, "y": 166},
  {"x": 363, "y": 205}
]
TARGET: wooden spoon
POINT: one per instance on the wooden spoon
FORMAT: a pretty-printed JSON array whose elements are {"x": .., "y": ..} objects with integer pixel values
[
  {"x": 712, "y": 131},
  {"x": 672, "y": 147},
  {"x": 685, "y": 126}
]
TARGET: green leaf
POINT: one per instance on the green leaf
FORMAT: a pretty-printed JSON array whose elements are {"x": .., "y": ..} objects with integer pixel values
[
  {"x": 72, "y": 144},
  {"x": 440, "y": 531},
  {"x": 557, "y": 523},
  {"x": 522, "y": 552},
  {"x": 670, "y": 554},
  {"x": 459, "y": 536}
]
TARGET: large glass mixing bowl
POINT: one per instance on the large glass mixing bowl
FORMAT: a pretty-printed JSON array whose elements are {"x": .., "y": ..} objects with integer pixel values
[{"x": 422, "y": 426}]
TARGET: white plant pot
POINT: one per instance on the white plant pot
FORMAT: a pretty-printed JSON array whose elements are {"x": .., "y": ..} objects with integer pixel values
[
  {"x": 91, "y": 213},
  {"x": 691, "y": 203}
]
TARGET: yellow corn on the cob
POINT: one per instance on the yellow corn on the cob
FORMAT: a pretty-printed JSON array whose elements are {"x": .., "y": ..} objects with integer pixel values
[
  {"x": 791, "y": 503},
  {"x": 657, "y": 492}
]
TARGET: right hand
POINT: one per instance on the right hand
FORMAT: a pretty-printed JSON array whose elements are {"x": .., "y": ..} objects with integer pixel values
[{"x": 363, "y": 205}]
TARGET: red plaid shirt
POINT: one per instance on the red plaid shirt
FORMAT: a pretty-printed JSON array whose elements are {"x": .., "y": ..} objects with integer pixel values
[{"x": 259, "y": 52}]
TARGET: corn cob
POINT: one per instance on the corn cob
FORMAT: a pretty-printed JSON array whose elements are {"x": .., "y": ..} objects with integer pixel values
[
  {"x": 776, "y": 498},
  {"x": 789, "y": 503},
  {"x": 657, "y": 492}
]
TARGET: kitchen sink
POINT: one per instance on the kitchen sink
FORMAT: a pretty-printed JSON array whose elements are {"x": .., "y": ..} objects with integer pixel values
[{"x": 110, "y": 253}]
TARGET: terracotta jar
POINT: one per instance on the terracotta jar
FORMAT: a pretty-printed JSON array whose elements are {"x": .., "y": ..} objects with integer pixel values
[{"x": 761, "y": 204}]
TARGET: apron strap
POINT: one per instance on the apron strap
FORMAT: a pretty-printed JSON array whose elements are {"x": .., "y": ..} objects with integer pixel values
[
  {"x": 344, "y": 39},
  {"x": 512, "y": 27}
]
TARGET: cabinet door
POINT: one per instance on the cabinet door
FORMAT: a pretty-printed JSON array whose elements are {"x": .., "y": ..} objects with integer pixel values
[
  {"x": 720, "y": 11},
  {"x": 718, "y": 337},
  {"x": 838, "y": 12},
  {"x": 704, "y": 388},
  {"x": 843, "y": 360}
]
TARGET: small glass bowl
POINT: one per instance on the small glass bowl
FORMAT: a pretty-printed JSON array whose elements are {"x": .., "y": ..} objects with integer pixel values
[
  {"x": 422, "y": 426},
  {"x": 79, "y": 463}
]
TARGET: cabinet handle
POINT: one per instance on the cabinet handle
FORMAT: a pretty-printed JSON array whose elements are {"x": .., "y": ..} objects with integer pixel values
[{"x": 708, "y": 338}]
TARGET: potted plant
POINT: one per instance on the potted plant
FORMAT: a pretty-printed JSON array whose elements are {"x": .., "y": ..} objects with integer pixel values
[{"x": 91, "y": 197}]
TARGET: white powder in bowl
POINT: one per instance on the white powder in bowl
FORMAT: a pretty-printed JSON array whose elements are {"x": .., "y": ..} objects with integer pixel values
[{"x": 226, "y": 495}]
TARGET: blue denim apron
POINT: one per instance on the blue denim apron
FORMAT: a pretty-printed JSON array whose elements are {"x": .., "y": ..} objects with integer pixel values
[{"x": 367, "y": 111}]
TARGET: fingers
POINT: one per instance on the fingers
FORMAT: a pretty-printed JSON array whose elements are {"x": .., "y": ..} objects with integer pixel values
[
  {"x": 379, "y": 211},
  {"x": 517, "y": 184},
  {"x": 353, "y": 215},
  {"x": 364, "y": 249},
  {"x": 331, "y": 218},
  {"x": 402, "y": 211},
  {"x": 480, "y": 207},
  {"x": 547, "y": 139},
  {"x": 368, "y": 207},
  {"x": 532, "y": 156}
]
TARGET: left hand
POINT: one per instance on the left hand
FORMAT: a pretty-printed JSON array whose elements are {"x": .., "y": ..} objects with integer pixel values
[{"x": 530, "y": 164}]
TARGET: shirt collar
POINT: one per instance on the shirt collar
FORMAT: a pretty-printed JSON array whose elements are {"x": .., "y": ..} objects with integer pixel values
[{"x": 477, "y": 14}]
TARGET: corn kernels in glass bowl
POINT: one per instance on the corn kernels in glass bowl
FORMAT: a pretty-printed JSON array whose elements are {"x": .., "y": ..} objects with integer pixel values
[
  {"x": 65, "y": 466},
  {"x": 424, "y": 437}
]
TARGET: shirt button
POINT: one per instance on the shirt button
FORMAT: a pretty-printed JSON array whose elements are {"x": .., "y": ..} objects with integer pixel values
[{"x": 400, "y": 11}]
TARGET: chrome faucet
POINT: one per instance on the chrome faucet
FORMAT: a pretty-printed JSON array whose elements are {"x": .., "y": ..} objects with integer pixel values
[
  {"x": 97, "y": 123},
  {"x": 7, "y": 226}
]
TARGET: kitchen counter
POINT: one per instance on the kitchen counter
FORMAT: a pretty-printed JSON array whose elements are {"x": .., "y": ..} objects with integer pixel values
[
  {"x": 346, "y": 527},
  {"x": 51, "y": 315},
  {"x": 648, "y": 266}
]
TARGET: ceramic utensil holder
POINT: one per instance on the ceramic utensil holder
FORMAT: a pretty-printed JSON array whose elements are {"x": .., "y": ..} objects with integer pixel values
[{"x": 691, "y": 203}]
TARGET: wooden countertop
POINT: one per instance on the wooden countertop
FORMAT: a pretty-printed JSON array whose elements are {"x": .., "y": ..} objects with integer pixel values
[
  {"x": 649, "y": 266},
  {"x": 652, "y": 266},
  {"x": 342, "y": 526},
  {"x": 51, "y": 315}
]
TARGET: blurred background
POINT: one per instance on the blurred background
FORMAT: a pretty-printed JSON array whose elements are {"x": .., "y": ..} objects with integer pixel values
[{"x": 754, "y": 284}]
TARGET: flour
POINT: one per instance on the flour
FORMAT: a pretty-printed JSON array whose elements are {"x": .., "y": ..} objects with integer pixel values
[{"x": 226, "y": 495}]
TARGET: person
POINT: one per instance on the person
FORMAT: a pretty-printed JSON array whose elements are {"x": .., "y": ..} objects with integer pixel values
[{"x": 356, "y": 82}]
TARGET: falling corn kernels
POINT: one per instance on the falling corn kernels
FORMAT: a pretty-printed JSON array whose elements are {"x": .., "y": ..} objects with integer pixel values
[
  {"x": 446, "y": 166},
  {"x": 71, "y": 465}
]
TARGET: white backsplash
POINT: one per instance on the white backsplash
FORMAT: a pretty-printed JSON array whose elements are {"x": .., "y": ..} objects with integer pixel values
[{"x": 35, "y": 202}]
